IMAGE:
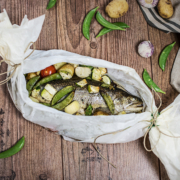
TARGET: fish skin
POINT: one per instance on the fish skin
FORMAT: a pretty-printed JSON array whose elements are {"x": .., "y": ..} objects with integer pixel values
[{"x": 122, "y": 100}]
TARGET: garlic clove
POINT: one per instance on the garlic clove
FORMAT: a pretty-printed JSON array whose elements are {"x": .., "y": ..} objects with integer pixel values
[{"x": 148, "y": 3}]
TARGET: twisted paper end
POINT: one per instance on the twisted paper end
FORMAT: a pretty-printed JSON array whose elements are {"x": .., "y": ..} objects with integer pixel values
[{"x": 14, "y": 66}]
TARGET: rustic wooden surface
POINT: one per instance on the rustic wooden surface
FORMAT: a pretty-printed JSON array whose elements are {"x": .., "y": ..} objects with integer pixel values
[{"x": 46, "y": 155}]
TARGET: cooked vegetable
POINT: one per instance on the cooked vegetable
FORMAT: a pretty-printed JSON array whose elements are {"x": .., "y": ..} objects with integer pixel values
[
  {"x": 34, "y": 99},
  {"x": 45, "y": 80},
  {"x": 83, "y": 72},
  {"x": 108, "y": 101},
  {"x": 59, "y": 65},
  {"x": 74, "y": 65},
  {"x": 100, "y": 113},
  {"x": 117, "y": 8},
  {"x": 78, "y": 114},
  {"x": 165, "y": 8},
  {"x": 106, "y": 23},
  {"x": 106, "y": 80},
  {"x": 105, "y": 85},
  {"x": 30, "y": 76},
  {"x": 46, "y": 104},
  {"x": 88, "y": 111},
  {"x": 103, "y": 71},
  {"x": 72, "y": 108},
  {"x": 67, "y": 71},
  {"x": 93, "y": 89},
  {"x": 48, "y": 71},
  {"x": 148, "y": 3},
  {"x": 13, "y": 150},
  {"x": 91, "y": 67},
  {"x": 146, "y": 49},
  {"x": 30, "y": 84},
  {"x": 46, "y": 95},
  {"x": 96, "y": 74},
  {"x": 62, "y": 93},
  {"x": 60, "y": 106},
  {"x": 107, "y": 30},
  {"x": 87, "y": 23},
  {"x": 122, "y": 112},
  {"x": 51, "y": 4},
  {"x": 150, "y": 83},
  {"x": 38, "y": 73},
  {"x": 82, "y": 83},
  {"x": 35, "y": 93},
  {"x": 50, "y": 89},
  {"x": 164, "y": 55}
]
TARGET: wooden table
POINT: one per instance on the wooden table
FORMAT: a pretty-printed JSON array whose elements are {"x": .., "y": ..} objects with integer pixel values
[{"x": 48, "y": 156}]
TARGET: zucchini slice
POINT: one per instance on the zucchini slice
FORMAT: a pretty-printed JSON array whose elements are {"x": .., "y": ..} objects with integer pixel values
[
  {"x": 106, "y": 80},
  {"x": 82, "y": 83},
  {"x": 96, "y": 74},
  {"x": 46, "y": 95},
  {"x": 34, "y": 99},
  {"x": 82, "y": 72},
  {"x": 103, "y": 71},
  {"x": 93, "y": 89},
  {"x": 50, "y": 89}
]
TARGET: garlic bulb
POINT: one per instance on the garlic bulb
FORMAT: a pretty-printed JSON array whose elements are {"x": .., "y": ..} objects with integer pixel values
[
  {"x": 148, "y": 3},
  {"x": 146, "y": 49}
]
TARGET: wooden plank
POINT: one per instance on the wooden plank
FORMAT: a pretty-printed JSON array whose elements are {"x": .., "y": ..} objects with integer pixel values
[
  {"x": 41, "y": 157},
  {"x": 80, "y": 160},
  {"x": 160, "y": 40}
]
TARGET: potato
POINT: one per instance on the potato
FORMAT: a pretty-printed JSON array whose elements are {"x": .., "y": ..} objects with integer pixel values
[
  {"x": 67, "y": 71},
  {"x": 30, "y": 75},
  {"x": 117, "y": 8},
  {"x": 100, "y": 113},
  {"x": 72, "y": 108},
  {"x": 165, "y": 8}
]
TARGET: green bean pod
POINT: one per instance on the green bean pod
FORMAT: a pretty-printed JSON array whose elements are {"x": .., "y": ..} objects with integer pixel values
[
  {"x": 60, "y": 106},
  {"x": 51, "y": 4},
  {"x": 107, "y": 30},
  {"x": 106, "y": 23},
  {"x": 164, "y": 55},
  {"x": 87, "y": 23},
  {"x": 61, "y": 94},
  {"x": 48, "y": 79},
  {"x": 150, "y": 83},
  {"x": 13, "y": 150},
  {"x": 108, "y": 101},
  {"x": 46, "y": 104},
  {"x": 88, "y": 111},
  {"x": 30, "y": 84}
]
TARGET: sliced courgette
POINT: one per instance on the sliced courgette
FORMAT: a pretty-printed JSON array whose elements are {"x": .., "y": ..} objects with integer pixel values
[
  {"x": 106, "y": 80},
  {"x": 82, "y": 83},
  {"x": 83, "y": 72},
  {"x": 96, "y": 74},
  {"x": 46, "y": 95},
  {"x": 50, "y": 89},
  {"x": 93, "y": 89}
]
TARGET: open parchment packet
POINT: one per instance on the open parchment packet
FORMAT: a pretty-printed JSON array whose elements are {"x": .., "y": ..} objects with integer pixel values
[{"x": 13, "y": 42}]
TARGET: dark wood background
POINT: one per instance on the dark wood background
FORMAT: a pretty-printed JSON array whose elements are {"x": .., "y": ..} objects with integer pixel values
[{"x": 46, "y": 155}]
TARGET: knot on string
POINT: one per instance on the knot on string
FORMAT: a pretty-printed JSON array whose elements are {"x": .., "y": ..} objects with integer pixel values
[{"x": 13, "y": 65}]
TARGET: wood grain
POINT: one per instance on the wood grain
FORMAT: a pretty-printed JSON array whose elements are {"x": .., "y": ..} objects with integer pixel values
[{"x": 48, "y": 156}]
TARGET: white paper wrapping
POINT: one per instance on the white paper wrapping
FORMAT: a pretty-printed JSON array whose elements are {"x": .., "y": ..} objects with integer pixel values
[{"x": 14, "y": 40}]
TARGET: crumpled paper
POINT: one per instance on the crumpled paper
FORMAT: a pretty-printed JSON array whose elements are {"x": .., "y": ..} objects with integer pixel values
[{"x": 83, "y": 128}]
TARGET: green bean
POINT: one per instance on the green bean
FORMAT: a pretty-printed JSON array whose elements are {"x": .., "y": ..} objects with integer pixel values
[
  {"x": 87, "y": 23},
  {"x": 90, "y": 67},
  {"x": 108, "y": 101},
  {"x": 106, "y": 23},
  {"x": 106, "y": 30},
  {"x": 88, "y": 111},
  {"x": 51, "y": 4},
  {"x": 150, "y": 83},
  {"x": 46, "y": 104},
  {"x": 30, "y": 84},
  {"x": 13, "y": 150},
  {"x": 48, "y": 79},
  {"x": 60, "y": 106},
  {"x": 164, "y": 55},
  {"x": 61, "y": 94}
]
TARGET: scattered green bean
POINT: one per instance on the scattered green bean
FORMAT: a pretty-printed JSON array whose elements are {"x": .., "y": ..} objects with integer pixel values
[
  {"x": 106, "y": 23},
  {"x": 30, "y": 84},
  {"x": 87, "y": 23},
  {"x": 164, "y": 55},
  {"x": 88, "y": 111},
  {"x": 61, "y": 94},
  {"x": 108, "y": 101},
  {"x": 13, "y": 150},
  {"x": 51, "y": 4},
  {"x": 150, "y": 83},
  {"x": 48, "y": 79},
  {"x": 106, "y": 30},
  {"x": 60, "y": 106}
]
